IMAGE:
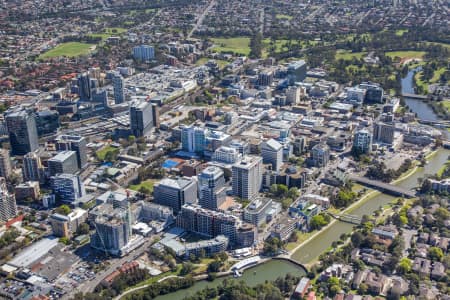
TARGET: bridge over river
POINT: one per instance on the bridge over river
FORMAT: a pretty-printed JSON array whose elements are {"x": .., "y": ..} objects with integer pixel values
[
  {"x": 384, "y": 187},
  {"x": 346, "y": 218}
]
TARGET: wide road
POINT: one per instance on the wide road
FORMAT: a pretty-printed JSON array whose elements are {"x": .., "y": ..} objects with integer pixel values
[{"x": 201, "y": 18}]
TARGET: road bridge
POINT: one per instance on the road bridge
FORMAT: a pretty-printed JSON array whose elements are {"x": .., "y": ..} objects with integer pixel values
[
  {"x": 415, "y": 96},
  {"x": 384, "y": 187}
]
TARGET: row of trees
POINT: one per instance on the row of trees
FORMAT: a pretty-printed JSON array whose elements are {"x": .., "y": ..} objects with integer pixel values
[
  {"x": 231, "y": 289},
  {"x": 377, "y": 170}
]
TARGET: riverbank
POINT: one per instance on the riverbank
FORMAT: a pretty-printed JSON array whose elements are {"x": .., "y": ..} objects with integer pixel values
[
  {"x": 219, "y": 276},
  {"x": 354, "y": 206}
]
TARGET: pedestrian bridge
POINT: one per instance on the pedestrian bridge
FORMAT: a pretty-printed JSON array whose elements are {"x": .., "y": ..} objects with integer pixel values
[
  {"x": 384, "y": 187},
  {"x": 346, "y": 218}
]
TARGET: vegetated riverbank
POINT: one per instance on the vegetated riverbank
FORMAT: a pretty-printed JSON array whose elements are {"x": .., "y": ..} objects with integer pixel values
[
  {"x": 200, "y": 281},
  {"x": 308, "y": 251}
]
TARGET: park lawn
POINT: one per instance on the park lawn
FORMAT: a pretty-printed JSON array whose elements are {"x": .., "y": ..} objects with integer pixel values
[
  {"x": 283, "y": 16},
  {"x": 240, "y": 45},
  {"x": 115, "y": 30},
  {"x": 440, "y": 44},
  {"x": 442, "y": 169},
  {"x": 154, "y": 279},
  {"x": 446, "y": 104},
  {"x": 102, "y": 152},
  {"x": 70, "y": 49},
  {"x": 149, "y": 183},
  {"x": 348, "y": 55},
  {"x": 420, "y": 82},
  {"x": 279, "y": 44},
  {"x": 203, "y": 265},
  {"x": 401, "y": 32},
  {"x": 301, "y": 237},
  {"x": 222, "y": 63},
  {"x": 104, "y": 36},
  {"x": 437, "y": 74},
  {"x": 406, "y": 54}
]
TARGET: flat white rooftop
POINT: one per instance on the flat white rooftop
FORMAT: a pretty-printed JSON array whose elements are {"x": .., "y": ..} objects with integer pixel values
[{"x": 34, "y": 252}]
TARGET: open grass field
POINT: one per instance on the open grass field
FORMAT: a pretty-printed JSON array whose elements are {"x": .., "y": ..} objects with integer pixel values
[
  {"x": 437, "y": 75},
  {"x": 70, "y": 49},
  {"x": 301, "y": 237},
  {"x": 400, "y": 32},
  {"x": 115, "y": 30},
  {"x": 108, "y": 32},
  {"x": 204, "y": 60},
  {"x": 149, "y": 183},
  {"x": 240, "y": 45},
  {"x": 441, "y": 44},
  {"x": 348, "y": 55},
  {"x": 406, "y": 54},
  {"x": 424, "y": 84},
  {"x": 101, "y": 153},
  {"x": 442, "y": 169},
  {"x": 282, "y": 16},
  {"x": 446, "y": 104}
]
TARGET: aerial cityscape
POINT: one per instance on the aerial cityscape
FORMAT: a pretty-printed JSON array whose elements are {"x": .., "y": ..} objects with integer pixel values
[{"x": 225, "y": 149}]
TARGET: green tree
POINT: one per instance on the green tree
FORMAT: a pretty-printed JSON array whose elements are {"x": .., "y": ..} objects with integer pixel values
[
  {"x": 319, "y": 221},
  {"x": 63, "y": 210},
  {"x": 404, "y": 266},
  {"x": 293, "y": 193},
  {"x": 186, "y": 268},
  {"x": 83, "y": 229},
  {"x": 357, "y": 238},
  {"x": 144, "y": 190},
  {"x": 435, "y": 253},
  {"x": 362, "y": 289},
  {"x": 64, "y": 240}
]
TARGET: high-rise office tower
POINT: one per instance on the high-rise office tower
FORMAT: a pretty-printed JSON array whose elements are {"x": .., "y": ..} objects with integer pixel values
[
  {"x": 362, "y": 141},
  {"x": 141, "y": 118},
  {"x": 8, "y": 208},
  {"x": 374, "y": 92},
  {"x": 144, "y": 53},
  {"x": 247, "y": 177},
  {"x": 193, "y": 139},
  {"x": 47, "y": 122},
  {"x": 73, "y": 143},
  {"x": 293, "y": 94},
  {"x": 22, "y": 131},
  {"x": 112, "y": 230},
  {"x": 68, "y": 188},
  {"x": 5, "y": 163},
  {"x": 84, "y": 87},
  {"x": 175, "y": 192},
  {"x": 384, "y": 132},
  {"x": 155, "y": 115},
  {"x": 211, "y": 188},
  {"x": 119, "y": 88},
  {"x": 320, "y": 155},
  {"x": 32, "y": 169},
  {"x": 64, "y": 162},
  {"x": 272, "y": 153},
  {"x": 296, "y": 71}
]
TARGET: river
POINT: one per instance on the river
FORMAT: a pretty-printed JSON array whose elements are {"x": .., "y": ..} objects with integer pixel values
[
  {"x": 421, "y": 108},
  {"x": 323, "y": 241},
  {"x": 270, "y": 270},
  {"x": 311, "y": 250}
]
